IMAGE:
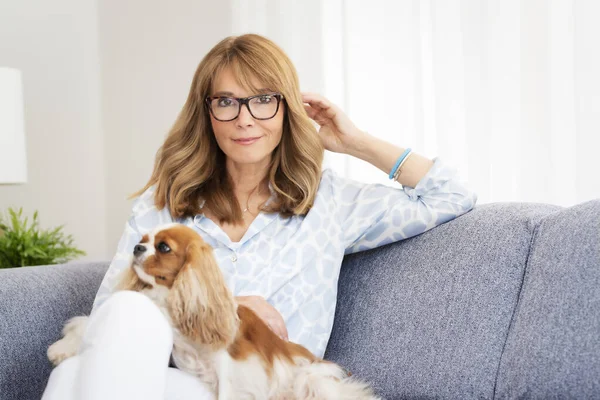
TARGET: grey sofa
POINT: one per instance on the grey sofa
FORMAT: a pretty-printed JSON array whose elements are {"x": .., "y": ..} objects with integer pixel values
[{"x": 501, "y": 303}]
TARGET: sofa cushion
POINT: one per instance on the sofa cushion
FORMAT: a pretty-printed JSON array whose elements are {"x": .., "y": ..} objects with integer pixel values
[
  {"x": 35, "y": 302},
  {"x": 428, "y": 317},
  {"x": 553, "y": 347}
]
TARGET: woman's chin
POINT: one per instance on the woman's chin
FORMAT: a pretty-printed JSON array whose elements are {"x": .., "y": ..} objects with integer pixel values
[{"x": 250, "y": 159}]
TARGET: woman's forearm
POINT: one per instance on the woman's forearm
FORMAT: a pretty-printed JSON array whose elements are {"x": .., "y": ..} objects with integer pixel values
[{"x": 384, "y": 155}]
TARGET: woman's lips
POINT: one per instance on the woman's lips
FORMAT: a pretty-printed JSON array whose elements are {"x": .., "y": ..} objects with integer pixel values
[{"x": 246, "y": 141}]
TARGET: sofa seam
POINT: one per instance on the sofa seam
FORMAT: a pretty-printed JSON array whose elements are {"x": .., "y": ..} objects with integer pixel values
[{"x": 517, "y": 305}]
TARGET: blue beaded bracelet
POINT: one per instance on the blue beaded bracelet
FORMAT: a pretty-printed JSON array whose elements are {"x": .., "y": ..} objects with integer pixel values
[{"x": 400, "y": 159}]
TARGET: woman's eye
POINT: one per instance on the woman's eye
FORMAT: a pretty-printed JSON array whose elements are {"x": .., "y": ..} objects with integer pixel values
[
  {"x": 163, "y": 248},
  {"x": 265, "y": 99},
  {"x": 225, "y": 102}
]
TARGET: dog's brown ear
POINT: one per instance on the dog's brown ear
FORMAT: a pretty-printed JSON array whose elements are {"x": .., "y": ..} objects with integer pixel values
[
  {"x": 129, "y": 280},
  {"x": 200, "y": 304}
]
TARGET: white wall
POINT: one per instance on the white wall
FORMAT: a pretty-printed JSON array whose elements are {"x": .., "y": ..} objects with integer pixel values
[{"x": 55, "y": 45}]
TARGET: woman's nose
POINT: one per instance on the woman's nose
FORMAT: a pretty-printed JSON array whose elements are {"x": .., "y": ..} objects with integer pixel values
[{"x": 245, "y": 118}]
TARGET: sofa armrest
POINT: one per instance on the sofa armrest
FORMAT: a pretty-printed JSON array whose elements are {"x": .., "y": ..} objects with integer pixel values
[
  {"x": 35, "y": 302},
  {"x": 553, "y": 347}
]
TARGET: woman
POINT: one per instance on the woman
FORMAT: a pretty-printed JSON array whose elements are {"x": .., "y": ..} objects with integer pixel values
[{"x": 242, "y": 166}]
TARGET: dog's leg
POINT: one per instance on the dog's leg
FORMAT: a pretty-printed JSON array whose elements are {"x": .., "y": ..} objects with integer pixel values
[
  {"x": 68, "y": 346},
  {"x": 326, "y": 380},
  {"x": 223, "y": 367}
]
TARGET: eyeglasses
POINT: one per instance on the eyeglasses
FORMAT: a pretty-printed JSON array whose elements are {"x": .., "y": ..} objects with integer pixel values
[{"x": 261, "y": 106}]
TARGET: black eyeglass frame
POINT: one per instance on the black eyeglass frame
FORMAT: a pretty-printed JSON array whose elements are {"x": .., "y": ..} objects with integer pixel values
[{"x": 241, "y": 101}]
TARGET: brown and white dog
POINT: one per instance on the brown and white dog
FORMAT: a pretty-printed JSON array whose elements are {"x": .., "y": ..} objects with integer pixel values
[{"x": 226, "y": 345}]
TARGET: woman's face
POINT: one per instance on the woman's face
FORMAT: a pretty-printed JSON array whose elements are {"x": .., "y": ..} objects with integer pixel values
[{"x": 245, "y": 140}]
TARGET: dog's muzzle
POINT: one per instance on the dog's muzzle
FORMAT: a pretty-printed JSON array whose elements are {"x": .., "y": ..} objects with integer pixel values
[{"x": 138, "y": 250}]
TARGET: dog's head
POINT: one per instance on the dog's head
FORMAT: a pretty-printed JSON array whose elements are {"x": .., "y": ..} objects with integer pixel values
[{"x": 174, "y": 262}]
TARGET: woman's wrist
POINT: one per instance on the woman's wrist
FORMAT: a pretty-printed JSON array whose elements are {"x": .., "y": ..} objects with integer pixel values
[{"x": 361, "y": 146}]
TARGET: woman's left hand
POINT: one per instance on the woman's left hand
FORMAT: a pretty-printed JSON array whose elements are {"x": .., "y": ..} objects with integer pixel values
[{"x": 338, "y": 133}]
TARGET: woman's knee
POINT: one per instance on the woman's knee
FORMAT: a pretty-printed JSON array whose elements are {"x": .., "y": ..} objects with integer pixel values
[{"x": 129, "y": 300}]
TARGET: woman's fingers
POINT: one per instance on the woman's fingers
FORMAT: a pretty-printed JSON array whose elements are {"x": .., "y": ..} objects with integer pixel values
[
  {"x": 310, "y": 111},
  {"x": 315, "y": 115},
  {"x": 315, "y": 100},
  {"x": 278, "y": 327},
  {"x": 320, "y": 103},
  {"x": 277, "y": 324},
  {"x": 268, "y": 314}
]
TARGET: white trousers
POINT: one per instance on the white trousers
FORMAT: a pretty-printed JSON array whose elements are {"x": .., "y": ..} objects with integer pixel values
[{"x": 124, "y": 356}]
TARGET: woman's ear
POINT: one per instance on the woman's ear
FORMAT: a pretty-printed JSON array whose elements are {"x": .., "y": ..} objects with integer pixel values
[{"x": 200, "y": 304}]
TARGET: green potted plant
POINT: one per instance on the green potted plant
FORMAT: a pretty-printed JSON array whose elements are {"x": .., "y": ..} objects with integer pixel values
[{"x": 22, "y": 244}]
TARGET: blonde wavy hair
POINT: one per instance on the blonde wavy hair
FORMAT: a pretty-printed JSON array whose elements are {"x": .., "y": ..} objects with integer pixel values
[{"x": 190, "y": 167}]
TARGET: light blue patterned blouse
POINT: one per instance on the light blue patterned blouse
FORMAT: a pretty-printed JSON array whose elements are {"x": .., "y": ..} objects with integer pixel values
[{"x": 295, "y": 262}]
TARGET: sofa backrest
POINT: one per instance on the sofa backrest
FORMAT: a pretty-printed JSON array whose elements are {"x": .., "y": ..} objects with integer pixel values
[{"x": 428, "y": 317}]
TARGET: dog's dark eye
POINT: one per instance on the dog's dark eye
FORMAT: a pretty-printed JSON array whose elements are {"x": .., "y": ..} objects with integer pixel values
[{"x": 163, "y": 248}]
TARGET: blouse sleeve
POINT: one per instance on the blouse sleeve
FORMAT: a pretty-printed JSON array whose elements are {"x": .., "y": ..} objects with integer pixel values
[{"x": 372, "y": 215}]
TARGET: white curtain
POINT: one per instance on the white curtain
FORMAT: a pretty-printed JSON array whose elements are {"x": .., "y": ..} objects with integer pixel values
[{"x": 507, "y": 91}]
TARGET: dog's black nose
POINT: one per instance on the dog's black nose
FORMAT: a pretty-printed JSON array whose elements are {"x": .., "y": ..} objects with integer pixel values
[{"x": 138, "y": 249}]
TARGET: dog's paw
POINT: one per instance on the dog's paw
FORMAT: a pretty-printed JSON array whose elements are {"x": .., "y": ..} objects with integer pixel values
[
  {"x": 61, "y": 350},
  {"x": 68, "y": 346}
]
